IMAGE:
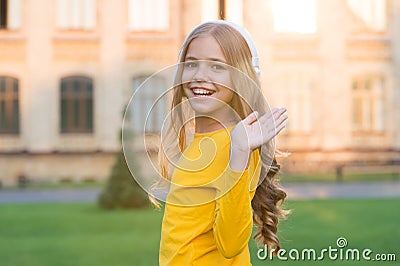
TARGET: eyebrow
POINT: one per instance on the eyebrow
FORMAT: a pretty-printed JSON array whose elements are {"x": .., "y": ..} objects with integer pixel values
[{"x": 210, "y": 59}]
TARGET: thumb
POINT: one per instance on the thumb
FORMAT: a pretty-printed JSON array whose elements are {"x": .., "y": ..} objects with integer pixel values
[{"x": 251, "y": 118}]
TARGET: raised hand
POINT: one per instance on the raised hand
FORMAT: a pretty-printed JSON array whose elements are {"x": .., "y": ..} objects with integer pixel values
[{"x": 252, "y": 132}]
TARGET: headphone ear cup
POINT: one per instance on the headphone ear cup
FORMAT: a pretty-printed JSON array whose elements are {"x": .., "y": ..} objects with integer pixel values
[{"x": 249, "y": 41}]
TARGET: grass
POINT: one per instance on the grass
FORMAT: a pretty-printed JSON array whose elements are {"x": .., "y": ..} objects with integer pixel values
[
  {"x": 82, "y": 234},
  {"x": 368, "y": 223},
  {"x": 77, "y": 234}
]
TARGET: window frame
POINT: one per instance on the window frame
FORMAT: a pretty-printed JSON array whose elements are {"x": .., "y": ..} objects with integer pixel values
[
  {"x": 297, "y": 91},
  {"x": 10, "y": 102},
  {"x": 147, "y": 96},
  {"x": 132, "y": 28},
  {"x": 359, "y": 29},
  {"x": 11, "y": 15},
  {"x": 76, "y": 105},
  {"x": 76, "y": 18},
  {"x": 294, "y": 32},
  {"x": 231, "y": 10},
  {"x": 3, "y": 14},
  {"x": 371, "y": 104}
]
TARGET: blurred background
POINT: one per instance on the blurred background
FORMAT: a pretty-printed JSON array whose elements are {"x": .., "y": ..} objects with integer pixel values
[{"x": 69, "y": 67}]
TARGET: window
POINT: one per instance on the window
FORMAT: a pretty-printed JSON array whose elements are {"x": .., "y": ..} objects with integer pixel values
[
  {"x": 148, "y": 15},
  {"x": 367, "y": 94},
  {"x": 149, "y": 105},
  {"x": 76, "y": 14},
  {"x": 231, "y": 10},
  {"x": 3, "y": 13},
  {"x": 9, "y": 105},
  {"x": 10, "y": 14},
  {"x": 76, "y": 105},
  {"x": 296, "y": 92},
  {"x": 294, "y": 16},
  {"x": 368, "y": 15}
]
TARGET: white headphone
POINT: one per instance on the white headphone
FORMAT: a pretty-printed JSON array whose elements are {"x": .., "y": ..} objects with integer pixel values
[{"x": 242, "y": 31}]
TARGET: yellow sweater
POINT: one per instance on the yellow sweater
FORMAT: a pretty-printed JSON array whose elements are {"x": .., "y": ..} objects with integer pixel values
[{"x": 208, "y": 215}]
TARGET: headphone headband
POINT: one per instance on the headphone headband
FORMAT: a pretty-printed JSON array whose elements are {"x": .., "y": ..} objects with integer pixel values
[{"x": 242, "y": 31}]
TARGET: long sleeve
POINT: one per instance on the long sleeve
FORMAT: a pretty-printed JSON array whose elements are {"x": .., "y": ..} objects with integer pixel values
[
  {"x": 233, "y": 214},
  {"x": 208, "y": 215}
]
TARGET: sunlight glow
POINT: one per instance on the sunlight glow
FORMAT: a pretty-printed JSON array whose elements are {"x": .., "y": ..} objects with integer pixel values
[
  {"x": 371, "y": 13},
  {"x": 295, "y": 16}
]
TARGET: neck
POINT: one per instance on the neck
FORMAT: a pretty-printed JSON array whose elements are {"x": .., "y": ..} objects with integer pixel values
[{"x": 204, "y": 124}]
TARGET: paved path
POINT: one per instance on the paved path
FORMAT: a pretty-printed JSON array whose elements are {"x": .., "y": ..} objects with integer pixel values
[
  {"x": 49, "y": 195},
  {"x": 382, "y": 189}
]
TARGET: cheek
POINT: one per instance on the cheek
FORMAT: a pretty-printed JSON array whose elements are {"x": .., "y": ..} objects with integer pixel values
[
  {"x": 224, "y": 79},
  {"x": 229, "y": 96},
  {"x": 185, "y": 90},
  {"x": 226, "y": 93},
  {"x": 187, "y": 76}
]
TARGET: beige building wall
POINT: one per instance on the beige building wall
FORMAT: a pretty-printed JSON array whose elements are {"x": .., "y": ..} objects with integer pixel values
[
  {"x": 39, "y": 54},
  {"x": 331, "y": 58}
]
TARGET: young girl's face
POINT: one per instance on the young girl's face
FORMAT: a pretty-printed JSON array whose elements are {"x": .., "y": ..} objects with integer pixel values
[{"x": 206, "y": 83}]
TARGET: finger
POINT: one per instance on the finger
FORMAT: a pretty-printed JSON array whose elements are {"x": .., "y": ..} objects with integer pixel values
[
  {"x": 278, "y": 110},
  {"x": 275, "y": 112},
  {"x": 267, "y": 116},
  {"x": 280, "y": 120},
  {"x": 270, "y": 133},
  {"x": 270, "y": 127},
  {"x": 280, "y": 128},
  {"x": 251, "y": 118},
  {"x": 279, "y": 114}
]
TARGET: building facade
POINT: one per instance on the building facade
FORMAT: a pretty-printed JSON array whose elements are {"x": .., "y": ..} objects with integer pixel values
[{"x": 68, "y": 69}]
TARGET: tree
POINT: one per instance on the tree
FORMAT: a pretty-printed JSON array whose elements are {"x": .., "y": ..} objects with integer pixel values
[{"x": 122, "y": 190}]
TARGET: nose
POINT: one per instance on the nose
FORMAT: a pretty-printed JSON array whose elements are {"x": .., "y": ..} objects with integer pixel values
[{"x": 201, "y": 73}]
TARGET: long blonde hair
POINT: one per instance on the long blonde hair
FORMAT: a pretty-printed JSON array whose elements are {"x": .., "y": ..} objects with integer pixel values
[{"x": 269, "y": 196}]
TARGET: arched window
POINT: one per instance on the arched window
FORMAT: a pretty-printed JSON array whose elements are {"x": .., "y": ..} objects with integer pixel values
[
  {"x": 9, "y": 105},
  {"x": 367, "y": 94},
  {"x": 150, "y": 107},
  {"x": 76, "y": 104}
]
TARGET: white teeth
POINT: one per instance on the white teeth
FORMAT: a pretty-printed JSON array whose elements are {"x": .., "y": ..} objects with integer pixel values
[{"x": 202, "y": 92}]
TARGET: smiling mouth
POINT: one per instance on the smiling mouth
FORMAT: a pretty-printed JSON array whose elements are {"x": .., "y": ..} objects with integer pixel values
[{"x": 202, "y": 92}]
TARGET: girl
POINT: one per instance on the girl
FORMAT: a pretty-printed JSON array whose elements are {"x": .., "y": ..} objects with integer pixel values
[{"x": 217, "y": 153}]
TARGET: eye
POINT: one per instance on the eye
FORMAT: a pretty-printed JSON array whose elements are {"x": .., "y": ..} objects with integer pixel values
[
  {"x": 217, "y": 67},
  {"x": 190, "y": 64}
]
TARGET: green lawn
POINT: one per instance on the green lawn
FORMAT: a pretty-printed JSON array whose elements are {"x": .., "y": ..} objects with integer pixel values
[{"x": 82, "y": 234}]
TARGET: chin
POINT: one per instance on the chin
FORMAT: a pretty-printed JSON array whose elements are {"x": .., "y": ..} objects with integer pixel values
[
  {"x": 201, "y": 108},
  {"x": 207, "y": 108}
]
